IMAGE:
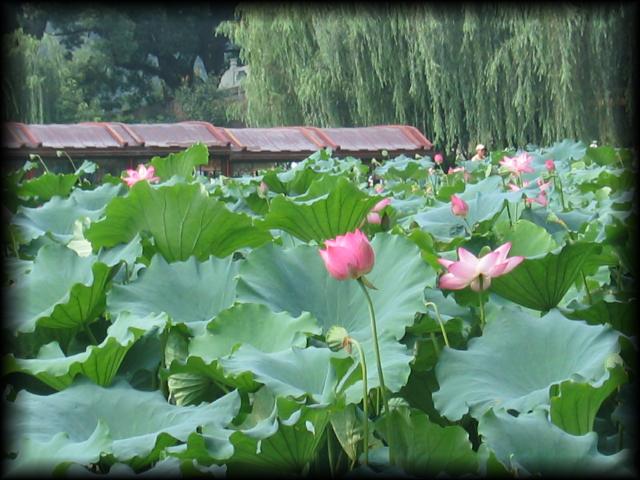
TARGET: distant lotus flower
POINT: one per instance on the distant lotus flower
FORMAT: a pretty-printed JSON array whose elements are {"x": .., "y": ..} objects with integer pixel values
[
  {"x": 540, "y": 199},
  {"x": 515, "y": 188},
  {"x": 378, "y": 187},
  {"x": 518, "y": 164},
  {"x": 374, "y": 215},
  {"x": 469, "y": 269},
  {"x": 348, "y": 256},
  {"x": 143, "y": 173},
  {"x": 544, "y": 186},
  {"x": 458, "y": 206},
  {"x": 263, "y": 188},
  {"x": 551, "y": 166},
  {"x": 438, "y": 158},
  {"x": 455, "y": 170}
]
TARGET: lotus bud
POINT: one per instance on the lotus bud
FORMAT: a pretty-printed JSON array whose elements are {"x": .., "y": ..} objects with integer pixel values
[
  {"x": 458, "y": 206},
  {"x": 551, "y": 166},
  {"x": 263, "y": 188},
  {"x": 348, "y": 256},
  {"x": 338, "y": 338},
  {"x": 438, "y": 158}
]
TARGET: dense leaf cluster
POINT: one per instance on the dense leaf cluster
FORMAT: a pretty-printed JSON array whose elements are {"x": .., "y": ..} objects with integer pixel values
[{"x": 180, "y": 327}]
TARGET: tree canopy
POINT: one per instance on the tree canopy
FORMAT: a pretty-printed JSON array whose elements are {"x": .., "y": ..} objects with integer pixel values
[{"x": 490, "y": 73}]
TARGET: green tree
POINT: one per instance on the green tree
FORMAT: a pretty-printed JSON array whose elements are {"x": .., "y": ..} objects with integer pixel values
[{"x": 503, "y": 75}]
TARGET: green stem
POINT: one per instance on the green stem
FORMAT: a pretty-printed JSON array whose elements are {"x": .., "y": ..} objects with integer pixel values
[
  {"x": 444, "y": 333},
  {"x": 72, "y": 164},
  {"x": 559, "y": 184},
  {"x": 365, "y": 399},
  {"x": 89, "y": 333},
  {"x": 586, "y": 287},
  {"x": 376, "y": 348},
  {"x": 481, "y": 306},
  {"x": 43, "y": 164},
  {"x": 330, "y": 453},
  {"x": 435, "y": 343}
]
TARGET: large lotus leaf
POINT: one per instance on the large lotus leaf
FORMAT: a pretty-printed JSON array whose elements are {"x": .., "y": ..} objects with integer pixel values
[
  {"x": 325, "y": 217},
  {"x": 296, "y": 280},
  {"x": 620, "y": 315},
  {"x": 295, "y": 372},
  {"x": 255, "y": 325},
  {"x": 188, "y": 291},
  {"x": 404, "y": 167},
  {"x": 541, "y": 282},
  {"x": 423, "y": 448},
  {"x": 562, "y": 152},
  {"x": 100, "y": 362},
  {"x": 288, "y": 450},
  {"x": 42, "y": 458},
  {"x": 290, "y": 182},
  {"x": 140, "y": 424},
  {"x": 574, "y": 404},
  {"x": 62, "y": 290},
  {"x": 531, "y": 444},
  {"x": 48, "y": 185},
  {"x": 57, "y": 217},
  {"x": 181, "y": 163},
  {"x": 527, "y": 239},
  {"x": 517, "y": 359},
  {"x": 182, "y": 219}
]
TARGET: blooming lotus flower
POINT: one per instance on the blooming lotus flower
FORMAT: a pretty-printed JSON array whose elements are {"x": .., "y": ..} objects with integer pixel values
[
  {"x": 551, "y": 166},
  {"x": 541, "y": 199},
  {"x": 455, "y": 170},
  {"x": 438, "y": 158},
  {"x": 348, "y": 256},
  {"x": 378, "y": 187},
  {"x": 544, "y": 186},
  {"x": 515, "y": 188},
  {"x": 470, "y": 270},
  {"x": 518, "y": 164},
  {"x": 142, "y": 173},
  {"x": 374, "y": 215},
  {"x": 458, "y": 206}
]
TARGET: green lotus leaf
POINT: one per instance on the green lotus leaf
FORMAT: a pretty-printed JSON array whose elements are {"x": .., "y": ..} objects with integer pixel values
[
  {"x": 48, "y": 185},
  {"x": 620, "y": 315},
  {"x": 291, "y": 182},
  {"x": 404, "y": 167},
  {"x": 296, "y": 280},
  {"x": 531, "y": 445},
  {"x": 57, "y": 217},
  {"x": 527, "y": 239},
  {"x": 295, "y": 372},
  {"x": 516, "y": 360},
  {"x": 540, "y": 283},
  {"x": 347, "y": 424},
  {"x": 100, "y": 362},
  {"x": 189, "y": 291},
  {"x": 423, "y": 448},
  {"x": 255, "y": 325},
  {"x": 182, "y": 219},
  {"x": 339, "y": 212},
  {"x": 181, "y": 163},
  {"x": 139, "y": 424},
  {"x": 574, "y": 404},
  {"x": 562, "y": 152},
  {"x": 42, "y": 458},
  {"x": 288, "y": 450},
  {"x": 62, "y": 290}
]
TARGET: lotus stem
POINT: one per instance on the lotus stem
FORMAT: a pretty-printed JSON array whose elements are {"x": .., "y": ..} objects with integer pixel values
[
  {"x": 376, "y": 348},
  {"x": 481, "y": 304},
  {"x": 586, "y": 287},
  {"x": 435, "y": 343},
  {"x": 330, "y": 453},
  {"x": 365, "y": 399},
  {"x": 444, "y": 333},
  {"x": 89, "y": 333}
]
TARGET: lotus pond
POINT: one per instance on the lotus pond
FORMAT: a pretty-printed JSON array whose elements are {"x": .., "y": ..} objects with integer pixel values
[{"x": 181, "y": 325}]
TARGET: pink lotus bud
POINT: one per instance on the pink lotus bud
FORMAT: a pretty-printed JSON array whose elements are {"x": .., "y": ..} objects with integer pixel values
[
  {"x": 476, "y": 272},
  {"x": 142, "y": 173},
  {"x": 374, "y": 216},
  {"x": 438, "y": 158},
  {"x": 348, "y": 256},
  {"x": 263, "y": 188},
  {"x": 551, "y": 166},
  {"x": 458, "y": 206}
]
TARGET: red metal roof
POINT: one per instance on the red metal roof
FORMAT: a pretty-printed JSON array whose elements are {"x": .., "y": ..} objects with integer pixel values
[{"x": 118, "y": 138}]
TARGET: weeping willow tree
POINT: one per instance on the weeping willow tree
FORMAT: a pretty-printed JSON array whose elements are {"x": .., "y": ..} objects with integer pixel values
[{"x": 502, "y": 75}]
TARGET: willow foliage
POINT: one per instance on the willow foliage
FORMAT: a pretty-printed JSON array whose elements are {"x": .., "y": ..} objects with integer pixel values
[{"x": 503, "y": 75}]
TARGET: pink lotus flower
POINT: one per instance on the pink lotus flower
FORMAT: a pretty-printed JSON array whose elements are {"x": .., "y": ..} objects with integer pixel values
[
  {"x": 263, "y": 188},
  {"x": 374, "y": 215},
  {"x": 378, "y": 187},
  {"x": 540, "y": 199},
  {"x": 348, "y": 256},
  {"x": 518, "y": 164},
  {"x": 455, "y": 170},
  {"x": 544, "y": 186},
  {"x": 458, "y": 206},
  {"x": 469, "y": 270},
  {"x": 515, "y": 188},
  {"x": 551, "y": 166},
  {"x": 438, "y": 158},
  {"x": 143, "y": 173}
]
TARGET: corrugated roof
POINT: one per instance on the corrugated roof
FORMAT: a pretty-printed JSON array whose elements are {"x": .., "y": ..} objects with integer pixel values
[{"x": 114, "y": 137}]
